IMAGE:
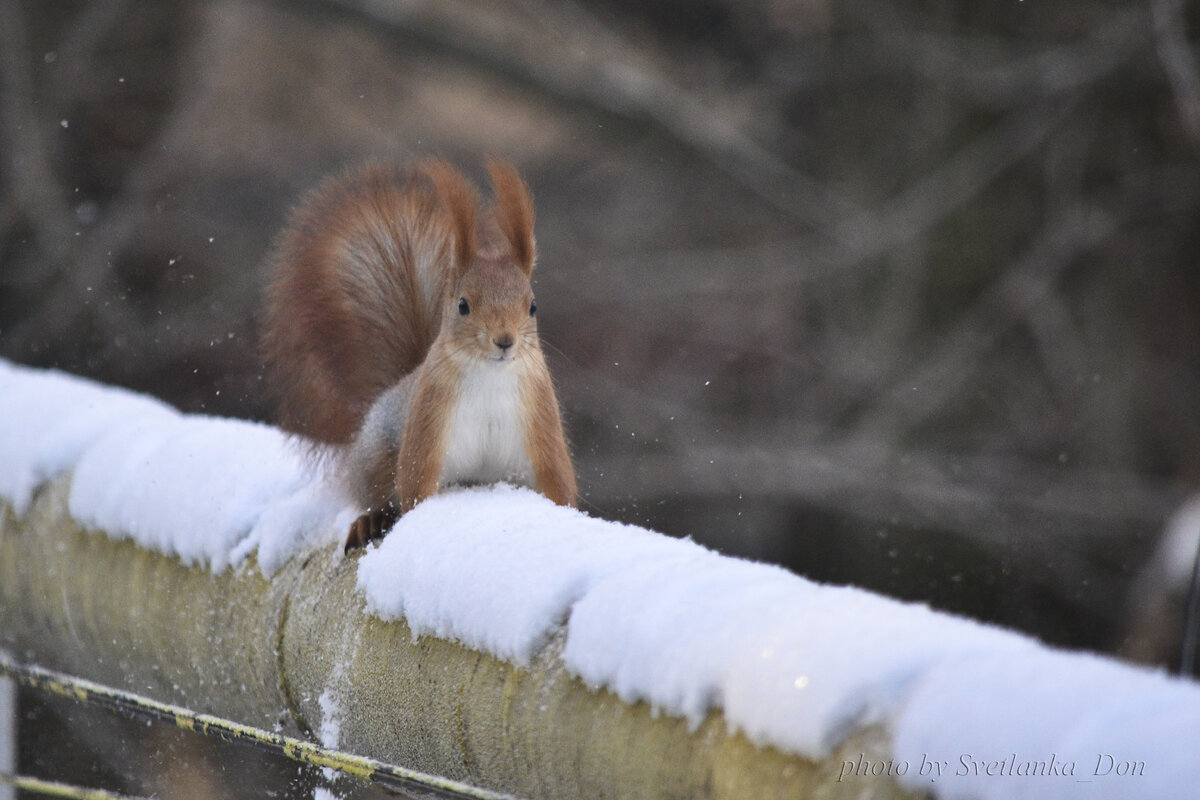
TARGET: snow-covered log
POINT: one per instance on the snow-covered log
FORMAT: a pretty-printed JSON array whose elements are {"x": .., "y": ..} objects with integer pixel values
[{"x": 497, "y": 639}]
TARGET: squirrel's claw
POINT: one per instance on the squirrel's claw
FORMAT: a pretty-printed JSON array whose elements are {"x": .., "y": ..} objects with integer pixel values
[{"x": 371, "y": 525}]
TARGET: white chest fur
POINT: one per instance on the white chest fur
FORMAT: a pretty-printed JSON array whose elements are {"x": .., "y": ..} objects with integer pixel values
[{"x": 486, "y": 440}]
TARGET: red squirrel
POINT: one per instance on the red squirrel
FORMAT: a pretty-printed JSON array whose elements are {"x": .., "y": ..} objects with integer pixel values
[{"x": 400, "y": 327}]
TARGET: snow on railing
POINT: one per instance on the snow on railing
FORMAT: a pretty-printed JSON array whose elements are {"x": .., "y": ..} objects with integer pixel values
[{"x": 805, "y": 672}]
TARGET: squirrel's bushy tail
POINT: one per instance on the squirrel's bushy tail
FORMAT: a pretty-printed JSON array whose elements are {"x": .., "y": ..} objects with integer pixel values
[{"x": 357, "y": 287}]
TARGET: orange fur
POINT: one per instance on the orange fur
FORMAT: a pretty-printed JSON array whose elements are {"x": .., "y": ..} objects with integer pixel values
[
  {"x": 367, "y": 282},
  {"x": 546, "y": 441},
  {"x": 346, "y": 315},
  {"x": 419, "y": 460},
  {"x": 514, "y": 212},
  {"x": 461, "y": 201}
]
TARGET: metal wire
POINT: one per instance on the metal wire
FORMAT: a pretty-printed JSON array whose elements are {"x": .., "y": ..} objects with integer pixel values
[
  {"x": 64, "y": 790},
  {"x": 397, "y": 779}
]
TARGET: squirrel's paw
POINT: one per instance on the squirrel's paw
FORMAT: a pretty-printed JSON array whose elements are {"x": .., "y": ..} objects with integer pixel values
[{"x": 371, "y": 525}]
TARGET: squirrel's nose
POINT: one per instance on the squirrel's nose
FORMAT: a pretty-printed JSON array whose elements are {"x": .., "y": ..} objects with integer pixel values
[{"x": 504, "y": 341}]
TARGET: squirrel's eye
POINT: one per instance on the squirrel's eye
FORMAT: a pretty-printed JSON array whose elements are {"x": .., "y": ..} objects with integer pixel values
[
  {"x": 464, "y": 307},
  {"x": 532, "y": 307}
]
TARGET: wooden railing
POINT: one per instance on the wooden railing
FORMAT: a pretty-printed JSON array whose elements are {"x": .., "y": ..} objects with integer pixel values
[{"x": 263, "y": 652}]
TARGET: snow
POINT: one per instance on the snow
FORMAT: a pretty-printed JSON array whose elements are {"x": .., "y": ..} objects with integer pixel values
[
  {"x": 194, "y": 487},
  {"x": 47, "y": 420},
  {"x": 792, "y": 663},
  {"x": 970, "y": 709},
  {"x": 1086, "y": 713},
  {"x": 539, "y": 560},
  {"x": 208, "y": 490},
  {"x": 329, "y": 733}
]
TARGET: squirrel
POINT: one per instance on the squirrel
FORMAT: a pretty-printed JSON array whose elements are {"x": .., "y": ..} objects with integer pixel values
[{"x": 400, "y": 327}]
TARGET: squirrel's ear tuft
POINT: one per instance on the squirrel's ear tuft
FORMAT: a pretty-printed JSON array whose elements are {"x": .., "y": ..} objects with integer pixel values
[
  {"x": 462, "y": 201},
  {"x": 514, "y": 212}
]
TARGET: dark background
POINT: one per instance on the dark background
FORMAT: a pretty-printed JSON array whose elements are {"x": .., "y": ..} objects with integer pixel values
[{"x": 900, "y": 294}]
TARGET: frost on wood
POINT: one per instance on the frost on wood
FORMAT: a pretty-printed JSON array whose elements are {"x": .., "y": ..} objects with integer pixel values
[{"x": 791, "y": 663}]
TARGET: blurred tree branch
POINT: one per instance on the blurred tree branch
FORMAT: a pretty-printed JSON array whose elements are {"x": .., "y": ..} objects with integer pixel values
[
  {"x": 32, "y": 183},
  {"x": 758, "y": 239},
  {"x": 1178, "y": 62},
  {"x": 565, "y": 51}
]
